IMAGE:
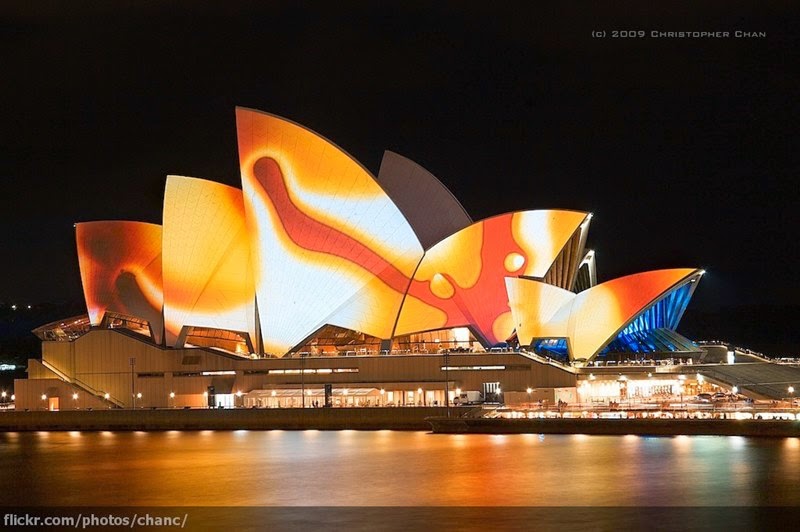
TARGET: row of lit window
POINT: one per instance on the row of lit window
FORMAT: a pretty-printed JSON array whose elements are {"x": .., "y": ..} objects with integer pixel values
[
  {"x": 472, "y": 368},
  {"x": 319, "y": 371}
]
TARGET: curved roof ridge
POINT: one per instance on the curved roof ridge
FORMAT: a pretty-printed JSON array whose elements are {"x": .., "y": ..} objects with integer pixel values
[{"x": 313, "y": 132}]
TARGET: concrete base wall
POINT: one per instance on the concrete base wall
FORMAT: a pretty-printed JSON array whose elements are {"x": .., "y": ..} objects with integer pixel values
[
  {"x": 109, "y": 361},
  {"x": 58, "y": 394}
]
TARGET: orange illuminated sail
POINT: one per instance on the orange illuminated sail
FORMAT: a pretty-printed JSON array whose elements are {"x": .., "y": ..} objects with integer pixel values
[
  {"x": 461, "y": 280},
  {"x": 594, "y": 317},
  {"x": 328, "y": 245},
  {"x": 208, "y": 280},
  {"x": 120, "y": 265}
]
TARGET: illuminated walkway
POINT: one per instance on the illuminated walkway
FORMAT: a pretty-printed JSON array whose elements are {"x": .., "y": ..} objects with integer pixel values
[{"x": 758, "y": 380}]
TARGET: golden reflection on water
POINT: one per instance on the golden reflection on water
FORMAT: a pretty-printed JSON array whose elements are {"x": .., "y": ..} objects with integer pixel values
[{"x": 284, "y": 468}]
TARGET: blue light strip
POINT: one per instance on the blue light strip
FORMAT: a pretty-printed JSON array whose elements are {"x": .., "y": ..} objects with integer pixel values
[
  {"x": 650, "y": 341},
  {"x": 664, "y": 314},
  {"x": 654, "y": 329},
  {"x": 552, "y": 347}
]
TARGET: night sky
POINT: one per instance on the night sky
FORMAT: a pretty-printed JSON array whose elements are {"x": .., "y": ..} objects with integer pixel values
[{"x": 684, "y": 149}]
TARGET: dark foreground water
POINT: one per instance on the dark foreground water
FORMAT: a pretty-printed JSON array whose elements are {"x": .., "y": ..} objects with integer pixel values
[{"x": 349, "y": 468}]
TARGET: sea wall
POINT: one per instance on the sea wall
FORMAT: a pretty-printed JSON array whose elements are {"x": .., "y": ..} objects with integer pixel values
[
  {"x": 643, "y": 427},
  {"x": 229, "y": 419},
  {"x": 420, "y": 418}
]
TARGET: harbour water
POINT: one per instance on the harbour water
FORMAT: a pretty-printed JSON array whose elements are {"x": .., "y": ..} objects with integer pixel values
[{"x": 386, "y": 468}]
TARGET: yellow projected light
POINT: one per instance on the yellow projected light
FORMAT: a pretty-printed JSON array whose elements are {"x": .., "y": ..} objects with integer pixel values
[
  {"x": 208, "y": 280},
  {"x": 120, "y": 265},
  {"x": 328, "y": 245},
  {"x": 533, "y": 305}
]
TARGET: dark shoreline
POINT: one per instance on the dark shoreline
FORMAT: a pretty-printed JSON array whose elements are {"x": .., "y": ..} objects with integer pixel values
[
  {"x": 229, "y": 419},
  {"x": 415, "y": 419},
  {"x": 618, "y": 427}
]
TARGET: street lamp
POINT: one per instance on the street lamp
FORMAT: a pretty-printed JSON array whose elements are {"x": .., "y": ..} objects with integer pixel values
[
  {"x": 44, "y": 398},
  {"x": 302, "y": 381},
  {"x": 382, "y": 394},
  {"x": 75, "y": 400},
  {"x": 791, "y": 394},
  {"x": 138, "y": 396},
  {"x": 13, "y": 397},
  {"x": 172, "y": 398},
  {"x": 447, "y": 381}
]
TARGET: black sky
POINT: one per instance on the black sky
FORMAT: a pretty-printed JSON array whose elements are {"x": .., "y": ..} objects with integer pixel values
[{"x": 684, "y": 149}]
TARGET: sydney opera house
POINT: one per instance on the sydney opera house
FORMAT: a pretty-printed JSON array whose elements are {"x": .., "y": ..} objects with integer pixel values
[{"x": 317, "y": 282}]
